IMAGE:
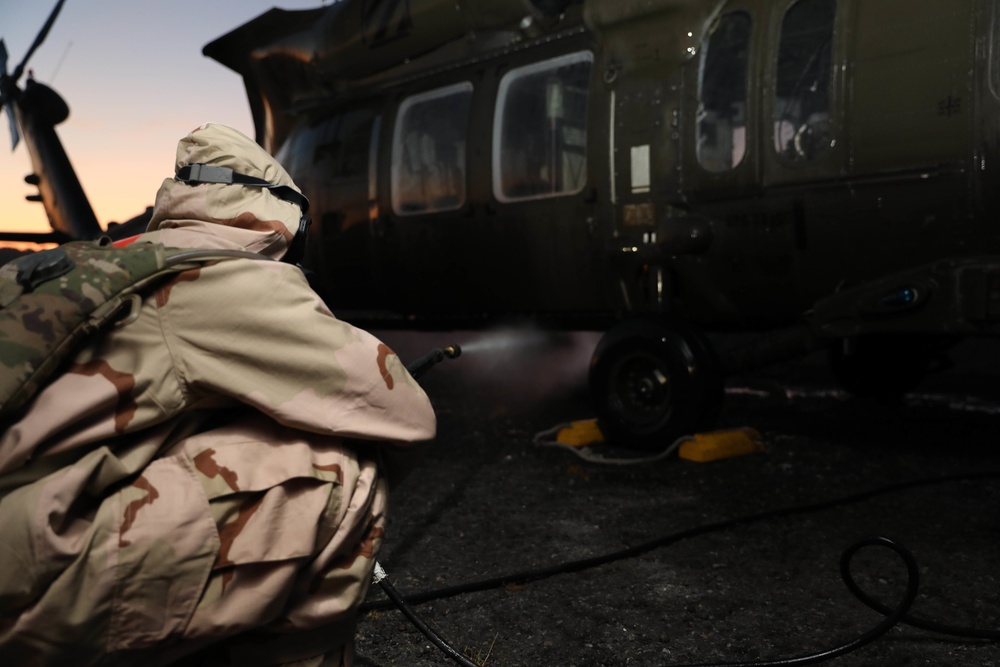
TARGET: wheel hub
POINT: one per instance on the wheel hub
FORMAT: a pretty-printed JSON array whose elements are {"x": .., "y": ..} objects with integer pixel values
[{"x": 643, "y": 389}]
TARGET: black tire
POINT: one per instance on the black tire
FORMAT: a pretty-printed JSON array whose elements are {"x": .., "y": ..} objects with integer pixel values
[{"x": 654, "y": 381}]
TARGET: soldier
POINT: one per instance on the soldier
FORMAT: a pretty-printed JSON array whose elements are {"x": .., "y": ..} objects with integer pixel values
[{"x": 207, "y": 484}]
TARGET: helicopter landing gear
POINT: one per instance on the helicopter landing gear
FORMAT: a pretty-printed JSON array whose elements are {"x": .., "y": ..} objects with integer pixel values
[
  {"x": 653, "y": 381},
  {"x": 886, "y": 366}
]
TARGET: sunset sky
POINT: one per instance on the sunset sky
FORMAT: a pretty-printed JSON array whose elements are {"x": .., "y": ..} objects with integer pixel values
[{"x": 135, "y": 80}]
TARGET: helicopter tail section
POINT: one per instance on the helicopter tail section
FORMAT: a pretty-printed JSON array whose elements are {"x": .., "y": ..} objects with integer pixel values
[{"x": 33, "y": 111}]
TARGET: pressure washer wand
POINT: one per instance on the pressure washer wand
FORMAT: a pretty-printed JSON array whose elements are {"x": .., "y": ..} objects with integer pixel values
[
  {"x": 432, "y": 359},
  {"x": 416, "y": 369}
]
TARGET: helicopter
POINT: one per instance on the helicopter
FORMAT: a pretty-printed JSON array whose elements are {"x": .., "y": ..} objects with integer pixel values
[
  {"x": 33, "y": 113},
  {"x": 819, "y": 172}
]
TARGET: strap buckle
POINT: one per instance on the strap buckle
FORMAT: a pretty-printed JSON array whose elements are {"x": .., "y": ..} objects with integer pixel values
[{"x": 205, "y": 173}]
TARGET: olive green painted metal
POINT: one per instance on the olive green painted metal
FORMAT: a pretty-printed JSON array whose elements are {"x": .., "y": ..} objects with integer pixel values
[
  {"x": 738, "y": 161},
  {"x": 822, "y": 169}
]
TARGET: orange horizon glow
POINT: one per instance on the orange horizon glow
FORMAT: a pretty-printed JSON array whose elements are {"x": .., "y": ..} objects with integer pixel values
[
  {"x": 119, "y": 183},
  {"x": 131, "y": 98},
  {"x": 24, "y": 245}
]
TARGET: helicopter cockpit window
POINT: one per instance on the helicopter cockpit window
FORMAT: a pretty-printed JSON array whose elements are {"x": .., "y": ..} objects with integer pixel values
[
  {"x": 722, "y": 92},
  {"x": 540, "y": 129},
  {"x": 428, "y": 151},
  {"x": 802, "y": 128}
]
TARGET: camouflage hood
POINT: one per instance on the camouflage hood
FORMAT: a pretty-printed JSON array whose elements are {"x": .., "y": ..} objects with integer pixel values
[{"x": 251, "y": 217}]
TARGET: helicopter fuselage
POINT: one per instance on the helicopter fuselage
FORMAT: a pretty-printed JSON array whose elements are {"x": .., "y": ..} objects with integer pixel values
[{"x": 732, "y": 163}]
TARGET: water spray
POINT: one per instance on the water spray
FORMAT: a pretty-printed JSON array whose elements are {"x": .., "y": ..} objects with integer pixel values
[{"x": 507, "y": 341}]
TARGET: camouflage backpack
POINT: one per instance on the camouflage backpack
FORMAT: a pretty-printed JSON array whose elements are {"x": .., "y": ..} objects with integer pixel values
[{"x": 52, "y": 301}]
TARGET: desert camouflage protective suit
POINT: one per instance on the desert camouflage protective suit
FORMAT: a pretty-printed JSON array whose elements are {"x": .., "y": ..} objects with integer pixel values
[{"x": 206, "y": 485}]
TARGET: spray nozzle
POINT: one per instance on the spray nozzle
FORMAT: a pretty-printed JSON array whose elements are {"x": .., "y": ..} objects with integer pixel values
[{"x": 432, "y": 358}]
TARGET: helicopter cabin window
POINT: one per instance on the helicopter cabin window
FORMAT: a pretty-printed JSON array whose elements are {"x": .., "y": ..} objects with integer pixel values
[
  {"x": 994, "y": 53},
  {"x": 332, "y": 151},
  {"x": 540, "y": 129},
  {"x": 802, "y": 128},
  {"x": 335, "y": 148},
  {"x": 346, "y": 144},
  {"x": 428, "y": 151},
  {"x": 722, "y": 93}
]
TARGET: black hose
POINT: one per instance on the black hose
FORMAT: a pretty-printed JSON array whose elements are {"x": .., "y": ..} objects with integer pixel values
[
  {"x": 416, "y": 369},
  {"x": 527, "y": 576},
  {"x": 893, "y": 616},
  {"x": 383, "y": 581},
  {"x": 912, "y": 584},
  {"x": 923, "y": 624}
]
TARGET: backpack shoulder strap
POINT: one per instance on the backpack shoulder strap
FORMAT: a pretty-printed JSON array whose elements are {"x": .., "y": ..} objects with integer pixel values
[{"x": 53, "y": 300}]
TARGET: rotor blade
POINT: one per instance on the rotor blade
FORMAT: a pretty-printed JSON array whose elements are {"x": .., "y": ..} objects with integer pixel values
[
  {"x": 5, "y": 82},
  {"x": 4, "y": 102},
  {"x": 38, "y": 39},
  {"x": 15, "y": 136}
]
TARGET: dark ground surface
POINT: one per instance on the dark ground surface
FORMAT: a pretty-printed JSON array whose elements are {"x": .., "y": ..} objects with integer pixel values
[{"x": 487, "y": 501}]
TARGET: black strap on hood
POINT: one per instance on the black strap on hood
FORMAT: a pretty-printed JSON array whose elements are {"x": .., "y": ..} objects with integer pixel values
[
  {"x": 207, "y": 173},
  {"x": 199, "y": 172}
]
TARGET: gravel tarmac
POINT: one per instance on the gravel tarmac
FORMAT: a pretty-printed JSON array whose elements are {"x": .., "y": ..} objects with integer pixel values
[{"x": 521, "y": 525}]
